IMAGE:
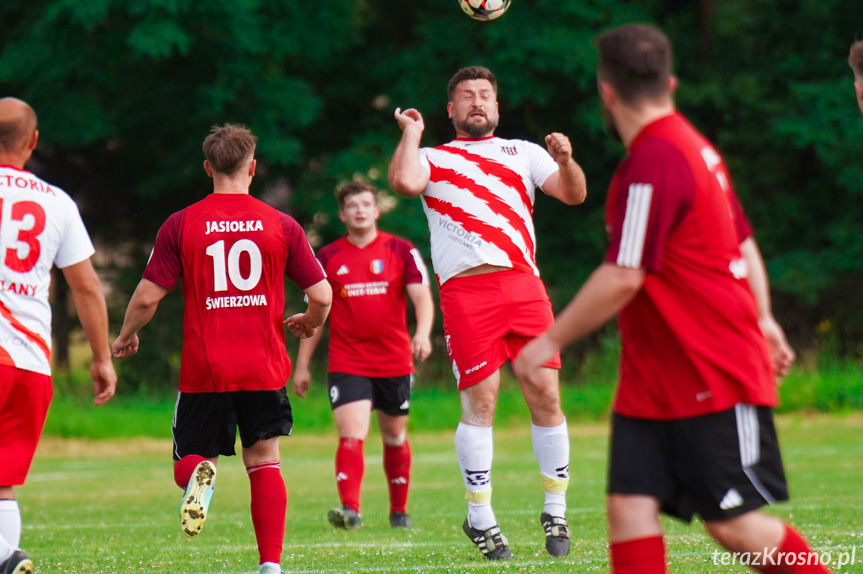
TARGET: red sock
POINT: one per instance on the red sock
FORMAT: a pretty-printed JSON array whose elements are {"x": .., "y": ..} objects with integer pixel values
[
  {"x": 349, "y": 471},
  {"x": 798, "y": 550},
  {"x": 269, "y": 506},
  {"x": 184, "y": 468},
  {"x": 639, "y": 556},
  {"x": 397, "y": 468}
]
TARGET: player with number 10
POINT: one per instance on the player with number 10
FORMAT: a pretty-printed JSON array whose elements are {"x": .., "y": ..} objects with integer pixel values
[{"x": 232, "y": 253}]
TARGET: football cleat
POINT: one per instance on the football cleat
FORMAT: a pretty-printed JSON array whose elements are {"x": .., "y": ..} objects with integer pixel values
[
  {"x": 400, "y": 520},
  {"x": 17, "y": 563},
  {"x": 491, "y": 542},
  {"x": 196, "y": 499},
  {"x": 269, "y": 568},
  {"x": 556, "y": 534},
  {"x": 344, "y": 517}
]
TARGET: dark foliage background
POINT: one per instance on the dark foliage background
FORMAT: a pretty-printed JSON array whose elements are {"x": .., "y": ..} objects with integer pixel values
[{"x": 126, "y": 92}]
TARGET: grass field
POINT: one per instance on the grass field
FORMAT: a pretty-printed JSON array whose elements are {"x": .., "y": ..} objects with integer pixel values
[{"x": 111, "y": 506}]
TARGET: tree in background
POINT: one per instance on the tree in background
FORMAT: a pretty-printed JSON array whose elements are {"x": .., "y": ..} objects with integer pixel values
[{"x": 125, "y": 92}]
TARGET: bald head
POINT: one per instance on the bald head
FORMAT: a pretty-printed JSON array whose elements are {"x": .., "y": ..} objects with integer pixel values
[{"x": 17, "y": 126}]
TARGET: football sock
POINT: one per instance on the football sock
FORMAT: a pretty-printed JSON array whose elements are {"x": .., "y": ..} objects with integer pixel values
[
  {"x": 551, "y": 448},
  {"x": 796, "y": 547},
  {"x": 269, "y": 507},
  {"x": 184, "y": 468},
  {"x": 10, "y": 527},
  {"x": 639, "y": 556},
  {"x": 397, "y": 468},
  {"x": 350, "y": 467},
  {"x": 474, "y": 447}
]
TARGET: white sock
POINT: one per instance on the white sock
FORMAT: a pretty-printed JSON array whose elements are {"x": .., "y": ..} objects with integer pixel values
[
  {"x": 551, "y": 448},
  {"x": 474, "y": 448},
  {"x": 10, "y": 527}
]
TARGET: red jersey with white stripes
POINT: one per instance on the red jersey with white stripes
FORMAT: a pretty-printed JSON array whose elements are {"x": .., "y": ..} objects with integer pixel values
[
  {"x": 232, "y": 253},
  {"x": 479, "y": 203},
  {"x": 691, "y": 341},
  {"x": 368, "y": 328},
  {"x": 39, "y": 227}
]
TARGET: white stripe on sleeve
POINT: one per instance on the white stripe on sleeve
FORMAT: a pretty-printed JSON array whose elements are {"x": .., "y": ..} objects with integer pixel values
[
  {"x": 418, "y": 259},
  {"x": 632, "y": 237}
]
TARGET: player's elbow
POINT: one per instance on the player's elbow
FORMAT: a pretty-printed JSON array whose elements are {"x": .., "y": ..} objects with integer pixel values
[{"x": 405, "y": 186}]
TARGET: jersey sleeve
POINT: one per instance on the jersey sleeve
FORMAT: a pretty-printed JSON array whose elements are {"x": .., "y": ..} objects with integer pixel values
[
  {"x": 741, "y": 223},
  {"x": 414, "y": 266},
  {"x": 75, "y": 246},
  {"x": 654, "y": 191},
  {"x": 424, "y": 160},
  {"x": 542, "y": 165},
  {"x": 165, "y": 266},
  {"x": 302, "y": 266}
]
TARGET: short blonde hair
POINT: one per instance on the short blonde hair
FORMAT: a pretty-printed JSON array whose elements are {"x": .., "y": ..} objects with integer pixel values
[{"x": 228, "y": 147}]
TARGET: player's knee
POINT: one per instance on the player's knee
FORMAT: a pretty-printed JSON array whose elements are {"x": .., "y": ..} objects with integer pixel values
[
  {"x": 726, "y": 532},
  {"x": 395, "y": 439}
]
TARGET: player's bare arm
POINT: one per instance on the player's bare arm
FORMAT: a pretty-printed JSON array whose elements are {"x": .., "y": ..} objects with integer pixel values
[
  {"x": 406, "y": 176},
  {"x": 568, "y": 184},
  {"x": 93, "y": 314},
  {"x": 320, "y": 297},
  {"x": 603, "y": 295},
  {"x": 302, "y": 373},
  {"x": 781, "y": 354},
  {"x": 421, "y": 297},
  {"x": 145, "y": 300}
]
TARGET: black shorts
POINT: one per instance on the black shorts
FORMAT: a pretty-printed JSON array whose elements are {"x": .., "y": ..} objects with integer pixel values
[
  {"x": 390, "y": 395},
  {"x": 206, "y": 423},
  {"x": 720, "y": 465}
]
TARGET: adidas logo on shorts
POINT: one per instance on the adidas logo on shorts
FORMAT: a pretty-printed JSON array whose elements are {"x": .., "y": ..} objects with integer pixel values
[{"x": 732, "y": 499}]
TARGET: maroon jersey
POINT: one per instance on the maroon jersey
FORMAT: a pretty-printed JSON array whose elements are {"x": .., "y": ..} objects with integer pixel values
[
  {"x": 232, "y": 253},
  {"x": 368, "y": 325},
  {"x": 691, "y": 342}
]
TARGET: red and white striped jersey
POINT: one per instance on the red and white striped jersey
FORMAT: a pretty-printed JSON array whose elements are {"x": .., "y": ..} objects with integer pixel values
[
  {"x": 479, "y": 203},
  {"x": 39, "y": 227}
]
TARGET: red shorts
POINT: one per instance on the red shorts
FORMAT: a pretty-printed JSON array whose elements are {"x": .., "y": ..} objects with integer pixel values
[
  {"x": 488, "y": 318},
  {"x": 24, "y": 400}
]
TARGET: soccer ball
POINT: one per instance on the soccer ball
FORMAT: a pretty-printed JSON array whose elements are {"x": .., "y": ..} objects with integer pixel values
[{"x": 484, "y": 9}]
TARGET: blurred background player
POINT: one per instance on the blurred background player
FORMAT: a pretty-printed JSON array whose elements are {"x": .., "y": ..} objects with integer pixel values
[
  {"x": 855, "y": 60},
  {"x": 39, "y": 227},
  {"x": 370, "y": 354},
  {"x": 478, "y": 194},
  {"x": 232, "y": 253},
  {"x": 692, "y": 424}
]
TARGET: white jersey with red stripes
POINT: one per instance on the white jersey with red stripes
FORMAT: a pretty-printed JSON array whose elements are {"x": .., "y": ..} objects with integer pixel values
[
  {"x": 39, "y": 227},
  {"x": 479, "y": 203}
]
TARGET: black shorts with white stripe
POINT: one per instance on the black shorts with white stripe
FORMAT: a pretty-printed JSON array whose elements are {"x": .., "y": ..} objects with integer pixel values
[
  {"x": 206, "y": 423},
  {"x": 719, "y": 466},
  {"x": 390, "y": 395}
]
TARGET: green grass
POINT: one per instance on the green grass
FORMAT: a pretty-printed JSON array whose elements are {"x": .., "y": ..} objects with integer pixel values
[{"x": 110, "y": 506}]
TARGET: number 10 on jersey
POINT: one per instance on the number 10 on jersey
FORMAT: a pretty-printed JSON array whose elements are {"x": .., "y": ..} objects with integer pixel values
[{"x": 223, "y": 272}]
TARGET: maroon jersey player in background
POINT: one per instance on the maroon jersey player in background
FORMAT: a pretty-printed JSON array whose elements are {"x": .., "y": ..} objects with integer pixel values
[
  {"x": 370, "y": 352},
  {"x": 232, "y": 253}
]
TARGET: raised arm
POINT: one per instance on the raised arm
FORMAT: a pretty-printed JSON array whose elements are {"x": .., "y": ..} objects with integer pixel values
[
  {"x": 568, "y": 184},
  {"x": 781, "y": 353},
  {"x": 145, "y": 300},
  {"x": 421, "y": 297},
  {"x": 320, "y": 297},
  {"x": 93, "y": 314},
  {"x": 406, "y": 176}
]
